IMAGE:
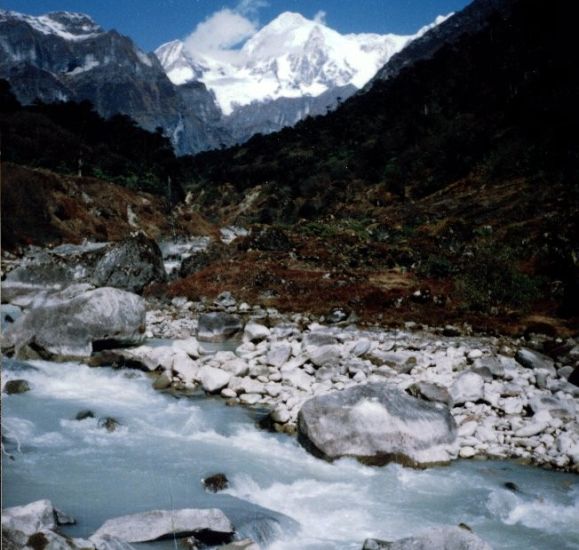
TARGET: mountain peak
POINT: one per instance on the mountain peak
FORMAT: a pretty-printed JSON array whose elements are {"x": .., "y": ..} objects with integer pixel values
[
  {"x": 288, "y": 20},
  {"x": 65, "y": 24}
]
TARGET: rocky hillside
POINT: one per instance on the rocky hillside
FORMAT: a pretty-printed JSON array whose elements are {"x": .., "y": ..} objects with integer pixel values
[{"x": 43, "y": 208}]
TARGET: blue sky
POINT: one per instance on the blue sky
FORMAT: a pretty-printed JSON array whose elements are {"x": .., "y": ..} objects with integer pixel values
[{"x": 153, "y": 22}]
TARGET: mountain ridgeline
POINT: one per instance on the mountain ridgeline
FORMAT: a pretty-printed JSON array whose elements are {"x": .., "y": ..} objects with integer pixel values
[
  {"x": 498, "y": 101},
  {"x": 200, "y": 101}
]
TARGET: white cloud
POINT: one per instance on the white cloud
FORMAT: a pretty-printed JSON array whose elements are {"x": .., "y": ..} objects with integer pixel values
[
  {"x": 223, "y": 30},
  {"x": 220, "y": 32},
  {"x": 320, "y": 17},
  {"x": 251, "y": 7}
]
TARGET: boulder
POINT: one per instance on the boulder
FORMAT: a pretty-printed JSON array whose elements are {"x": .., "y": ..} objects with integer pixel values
[
  {"x": 491, "y": 364},
  {"x": 45, "y": 270},
  {"x": 278, "y": 355},
  {"x": 468, "y": 386},
  {"x": 216, "y": 483},
  {"x": 323, "y": 355},
  {"x": 70, "y": 328},
  {"x": 534, "y": 360},
  {"x": 30, "y": 518},
  {"x": 430, "y": 391},
  {"x": 16, "y": 386},
  {"x": 130, "y": 264},
  {"x": 218, "y": 326},
  {"x": 213, "y": 379},
  {"x": 441, "y": 538},
  {"x": 377, "y": 424},
  {"x": 256, "y": 332},
  {"x": 207, "y": 525}
]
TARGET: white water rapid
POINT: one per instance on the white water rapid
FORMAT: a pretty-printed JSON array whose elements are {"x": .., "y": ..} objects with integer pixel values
[{"x": 279, "y": 495}]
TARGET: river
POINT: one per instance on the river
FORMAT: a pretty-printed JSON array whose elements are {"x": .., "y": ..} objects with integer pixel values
[{"x": 279, "y": 494}]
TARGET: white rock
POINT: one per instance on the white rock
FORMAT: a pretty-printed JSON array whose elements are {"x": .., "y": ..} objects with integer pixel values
[
  {"x": 467, "y": 452},
  {"x": 361, "y": 347},
  {"x": 184, "y": 366},
  {"x": 149, "y": 526},
  {"x": 299, "y": 379},
  {"x": 469, "y": 386},
  {"x": 486, "y": 434},
  {"x": 322, "y": 355},
  {"x": 236, "y": 366},
  {"x": 532, "y": 428},
  {"x": 255, "y": 331},
  {"x": 294, "y": 363},
  {"x": 250, "y": 398},
  {"x": 468, "y": 428},
  {"x": 280, "y": 415},
  {"x": 228, "y": 393},
  {"x": 512, "y": 405},
  {"x": 279, "y": 355},
  {"x": 213, "y": 379},
  {"x": 273, "y": 389},
  {"x": 190, "y": 346},
  {"x": 246, "y": 385},
  {"x": 30, "y": 518}
]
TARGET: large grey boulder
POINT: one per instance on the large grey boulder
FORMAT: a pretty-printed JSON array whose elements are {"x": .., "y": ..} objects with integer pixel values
[
  {"x": 439, "y": 538},
  {"x": 30, "y": 518},
  {"x": 69, "y": 328},
  {"x": 130, "y": 264},
  {"x": 218, "y": 326},
  {"x": 33, "y": 526},
  {"x": 210, "y": 525},
  {"x": 377, "y": 424},
  {"x": 534, "y": 360}
]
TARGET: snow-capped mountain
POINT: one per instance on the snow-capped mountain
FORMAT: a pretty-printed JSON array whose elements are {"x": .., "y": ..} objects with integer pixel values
[
  {"x": 291, "y": 57},
  {"x": 291, "y": 68}
]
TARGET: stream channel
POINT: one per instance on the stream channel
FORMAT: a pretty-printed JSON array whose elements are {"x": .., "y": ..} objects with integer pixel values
[{"x": 279, "y": 495}]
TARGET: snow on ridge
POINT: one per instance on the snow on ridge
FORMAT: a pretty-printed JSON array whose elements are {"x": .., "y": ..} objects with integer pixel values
[
  {"x": 290, "y": 57},
  {"x": 67, "y": 25}
]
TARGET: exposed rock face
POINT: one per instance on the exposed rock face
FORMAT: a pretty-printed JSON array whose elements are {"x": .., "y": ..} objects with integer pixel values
[
  {"x": 130, "y": 264},
  {"x": 52, "y": 58},
  {"x": 218, "y": 326},
  {"x": 443, "y": 538},
  {"x": 377, "y": 424},
  {"x": 65, "y": 327},
  {"x": 210, "y": 525}
]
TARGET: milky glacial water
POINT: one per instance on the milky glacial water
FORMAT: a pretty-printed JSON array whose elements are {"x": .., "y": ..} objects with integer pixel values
[{"x": 279, "y": 494}]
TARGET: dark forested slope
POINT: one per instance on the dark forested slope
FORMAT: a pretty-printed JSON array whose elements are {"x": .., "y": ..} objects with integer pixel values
[{"x": 499, "y": 102}]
